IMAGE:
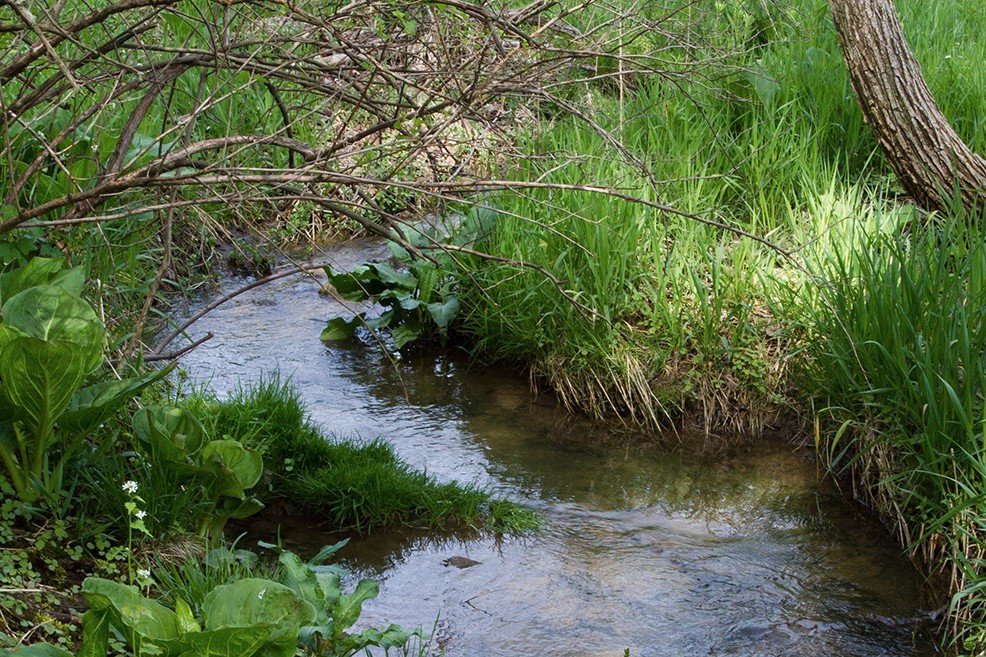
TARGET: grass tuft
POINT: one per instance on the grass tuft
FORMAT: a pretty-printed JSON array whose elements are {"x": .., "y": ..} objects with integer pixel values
[
  {"x": 899, "y": 368},
  {"x": 357, "y": 486}
]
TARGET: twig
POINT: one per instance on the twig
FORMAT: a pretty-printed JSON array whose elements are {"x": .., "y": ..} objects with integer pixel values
[
  {"x": 172, "y": 355},
  {"x": 41, "y": 590}
]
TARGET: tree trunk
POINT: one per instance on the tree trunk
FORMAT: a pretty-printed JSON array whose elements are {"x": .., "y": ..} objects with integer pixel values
[{"x": 930, "y": 159}]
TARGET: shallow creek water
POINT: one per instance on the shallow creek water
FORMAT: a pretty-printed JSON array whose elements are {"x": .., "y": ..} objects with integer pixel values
[{"x": 664, "y": 553}]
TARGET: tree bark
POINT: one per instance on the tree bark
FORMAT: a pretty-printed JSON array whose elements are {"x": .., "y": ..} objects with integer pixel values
[{"x": 930, "y": 159}]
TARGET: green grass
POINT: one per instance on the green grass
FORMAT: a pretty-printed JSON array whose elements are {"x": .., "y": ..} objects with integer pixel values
[
  {"x": 684, "y": 292},
  {"x": 190, "y": 577},
  {"x": 778, "y": 147},
  {"x": 876, "y": 327},
  {"x": 350, "y": 485},
  {"x": 898, "y": 368}
]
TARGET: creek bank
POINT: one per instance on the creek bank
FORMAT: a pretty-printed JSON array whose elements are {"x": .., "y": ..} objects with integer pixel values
[{"x": 743, "y": 552}]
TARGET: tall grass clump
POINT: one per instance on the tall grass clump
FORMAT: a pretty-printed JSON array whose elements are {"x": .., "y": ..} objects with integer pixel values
[
  {"x": 350, "y": 485},
  {"x": 898, "y": 368},
  {"x": 662, "y": 313},
  {"x": 670, "y": 315}
]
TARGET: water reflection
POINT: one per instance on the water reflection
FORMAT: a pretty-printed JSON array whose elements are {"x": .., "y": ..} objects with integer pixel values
[{"x": 658, "y": 552}]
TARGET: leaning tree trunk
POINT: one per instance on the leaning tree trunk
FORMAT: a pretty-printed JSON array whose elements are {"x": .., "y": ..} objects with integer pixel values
[{"x": 930, "y": 159}]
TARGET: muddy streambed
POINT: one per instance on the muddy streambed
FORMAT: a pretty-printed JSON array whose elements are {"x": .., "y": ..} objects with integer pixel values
[{"x": 665, "y": 554}]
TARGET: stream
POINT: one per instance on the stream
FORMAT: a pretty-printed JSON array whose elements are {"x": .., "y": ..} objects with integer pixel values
[{"x": 647, "y": 549}]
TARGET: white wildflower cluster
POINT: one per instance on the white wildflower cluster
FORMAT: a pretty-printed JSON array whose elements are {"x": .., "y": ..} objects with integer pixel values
[{"x": 130, "y": 487}]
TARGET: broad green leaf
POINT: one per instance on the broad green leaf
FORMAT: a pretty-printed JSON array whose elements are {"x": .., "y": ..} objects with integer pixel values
[
  {"x": 409, "y": 303},
  {"x": 8, "y": 333},
  {"x": 254, "y": 600},
  {"x": 394, "y": 636},
  {"x": 135, "y": 615},
  {"x": 224, "y": 642},
  {"x": 394, "y": 278},
  {"x": 309, "y": 635},
  {"x": 328, "y": 551},
  {"x": 762, "y": 83},
  {"x": 418, "y": 236},
  {"x": 8, "y": 437},
  {"x": 240, "y": 509},
  {"x": 185, "y": 617},
  {"x": 95, "y": 633},
  {"x": 406, "y": 333},
  {"x": 93, "y": 404},
  {"x": 399, "y": 251},
  {"x": 223, "y": 556},
  {"x": 383, "y": 321},
  {"x": 339, "y": 329},
  {"x": 245, "y": 465},
  {"x": 348, "y": 608},
  {"x": 302, "y": 580},
  {"x": 393, "y": 298},
  {"x": 330, "y": 581},
  {"x": 354, "y": 285},
  {"x": 248, "y": 602},
  {"x": 444, "y": 313},
  {"x": 71, "y": 280},
  {"x": 51, "y": 314},
  {"x": 40, "y": 650},
  {"x": 247, "y": 557},
  {"x": 40, "y": 378},
  {"x": 144, "y": 145},
  {"x": 219, "y": 557},
  {"x": 171, "y": 434},
  {"x": 8, "y": 412},
  {"x": 329, "y": 576},
  {"x": 41, "y": 271},
  {"x": 370, "y": 280},
  {"x": 477, "y": 226}
]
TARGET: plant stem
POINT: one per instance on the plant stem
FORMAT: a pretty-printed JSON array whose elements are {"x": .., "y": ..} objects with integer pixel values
[{"x": 13, "y": 471}]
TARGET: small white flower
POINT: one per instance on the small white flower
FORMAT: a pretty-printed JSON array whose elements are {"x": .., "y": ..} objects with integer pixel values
[
  {"x": 140, "y": 515},
  {"x": 130, "y": 487},
  {"x": 143, "y": 573}
]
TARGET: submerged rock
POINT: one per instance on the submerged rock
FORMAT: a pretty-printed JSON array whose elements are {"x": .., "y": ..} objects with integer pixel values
[{"x": 461, "y": 562}]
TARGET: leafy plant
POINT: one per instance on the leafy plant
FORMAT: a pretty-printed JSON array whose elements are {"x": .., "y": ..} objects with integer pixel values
[
  {"x": 250, "y": 616},
  {"x": 192, "y": 577},
  {"x": 335, "y": 611},
  {"x": 245, "y": 617},
  {"x": 50, "y": 341},
  {"x": 225, "y": 469},
  {"x": 419, "y": 302}
]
